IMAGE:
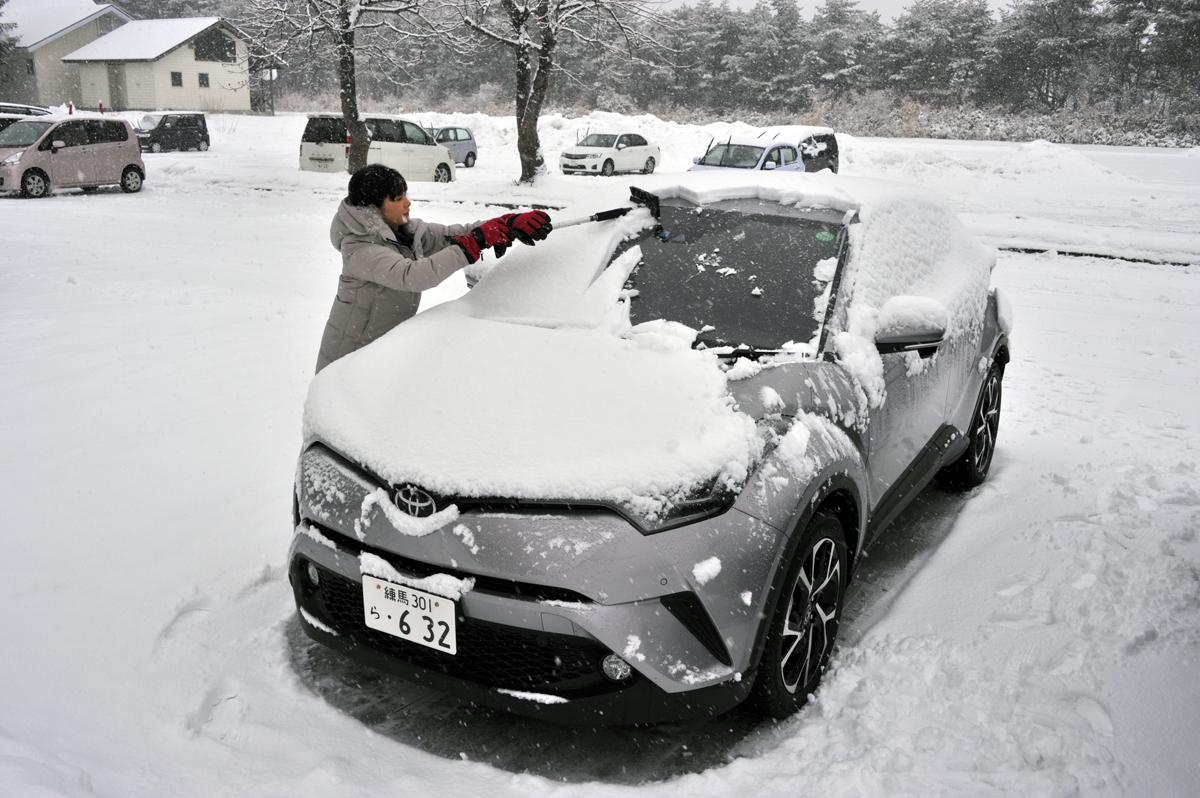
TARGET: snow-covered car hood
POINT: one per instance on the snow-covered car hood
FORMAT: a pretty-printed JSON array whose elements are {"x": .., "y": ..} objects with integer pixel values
[{"x": 534, "y": 386}]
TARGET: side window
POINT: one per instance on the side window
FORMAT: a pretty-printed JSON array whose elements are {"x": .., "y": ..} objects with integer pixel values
[
  {"x": 636, "y": 141},
  {"x": 74, "y": 134},
  {"x": 385, "y": 130},
  {"x": 446, "y": 135},
  {"x": 177, "y": 79},
  {"x": 414, "y": 134},
  {"x": 624, "y": 140},
  {"x": 787, "y": 155},
  {"x": 772, "y": 156},
  {"x": 461, "y": 134}
]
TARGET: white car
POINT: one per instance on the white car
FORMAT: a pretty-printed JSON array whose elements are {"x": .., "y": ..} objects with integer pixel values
[
  {"x": 608, "y": 153},
  {"x": 395, "y": 141}
]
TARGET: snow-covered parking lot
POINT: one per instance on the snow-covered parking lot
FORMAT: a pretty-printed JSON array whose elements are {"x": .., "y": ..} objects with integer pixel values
[{"x": 1038, "y": 636}]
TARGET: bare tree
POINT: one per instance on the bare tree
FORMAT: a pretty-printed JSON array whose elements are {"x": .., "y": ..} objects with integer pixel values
[
  {"x": 533, "y": 29},
  {"x": 281, "y": 30}
]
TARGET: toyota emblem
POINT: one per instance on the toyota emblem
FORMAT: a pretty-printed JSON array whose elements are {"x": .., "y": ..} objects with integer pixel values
[{"x": 414, "y": 501}]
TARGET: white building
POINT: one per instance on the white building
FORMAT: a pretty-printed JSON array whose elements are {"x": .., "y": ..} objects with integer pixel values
[
  {"x": 45, "y": 31},
  {"x": 198, "y": 63}
]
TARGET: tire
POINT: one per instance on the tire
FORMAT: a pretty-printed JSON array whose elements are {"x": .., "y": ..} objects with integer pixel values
[
  {"x": 156, "y": 147},
  {"x": 202, "y": 146},
  {"x": 608, "y": 169},
  {"x": 35, "y": 184},
  {"x": 441, "y": 174},
  {"x": 131, "y": 180},
  {"x": 649, "y": 167},
  {"x": 833, "y": 165},
  {"x": 971, "y": 469},
  {"x": 470, "y": 161},
  {"x": 805, "y": 622}
]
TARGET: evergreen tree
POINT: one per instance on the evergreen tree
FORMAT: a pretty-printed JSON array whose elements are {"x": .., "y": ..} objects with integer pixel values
[
  {"x": 1038, "y": 54},
  {"x": 935, "y": 47},
  {"x": 842, "y": 41}
]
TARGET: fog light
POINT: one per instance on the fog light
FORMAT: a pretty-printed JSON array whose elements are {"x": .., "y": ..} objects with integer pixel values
[
  {"x": 615, "y": 668},
  {"x": 314, "y": 576}
]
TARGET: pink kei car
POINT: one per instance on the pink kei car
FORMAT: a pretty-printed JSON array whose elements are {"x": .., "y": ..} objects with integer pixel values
[{"x": 78, "y": 151}]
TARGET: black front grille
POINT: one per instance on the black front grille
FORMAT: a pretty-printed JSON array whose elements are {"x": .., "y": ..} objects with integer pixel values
[{"x": 488, "y": 654}]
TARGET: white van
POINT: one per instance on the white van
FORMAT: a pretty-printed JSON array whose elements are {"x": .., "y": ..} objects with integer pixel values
[{"x": 395, "y": 141}]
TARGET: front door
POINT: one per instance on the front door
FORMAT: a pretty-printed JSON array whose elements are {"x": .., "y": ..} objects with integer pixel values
[
  {"x": 70, "y": 165},
  {"x": 421, "y": 150}
]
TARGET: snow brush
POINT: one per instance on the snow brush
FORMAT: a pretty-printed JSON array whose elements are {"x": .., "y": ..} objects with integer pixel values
[{"x": 636, "y": 195}]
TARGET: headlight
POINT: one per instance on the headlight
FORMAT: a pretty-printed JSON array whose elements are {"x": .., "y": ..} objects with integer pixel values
[
  {"x": 703, "y": 502},
  {"x": 12, "y": 159},
  {"x": 593, "y": 156}
]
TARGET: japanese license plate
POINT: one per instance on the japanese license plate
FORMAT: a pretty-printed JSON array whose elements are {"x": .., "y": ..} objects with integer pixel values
[{"x": 410, "y": 614}]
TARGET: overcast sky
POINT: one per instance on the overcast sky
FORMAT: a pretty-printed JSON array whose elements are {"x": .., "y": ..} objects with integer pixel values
[{"x": 886, "y": 8}]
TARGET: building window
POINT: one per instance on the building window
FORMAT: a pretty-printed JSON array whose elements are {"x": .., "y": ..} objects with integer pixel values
[
  {"x": 177, "y": 79},
  {"x": 204, "y": 80}
]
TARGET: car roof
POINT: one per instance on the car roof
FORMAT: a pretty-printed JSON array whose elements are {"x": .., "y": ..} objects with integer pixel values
[
  {"x": 395, "y": 117},
  {"x": 78, "y": 115},
  {"x": 796, "y": 189},
  {"x": 787, "y": 134}
]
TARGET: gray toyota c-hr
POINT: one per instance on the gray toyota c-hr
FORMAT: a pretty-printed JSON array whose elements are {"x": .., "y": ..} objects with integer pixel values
[{"x": 856, "y": 331}]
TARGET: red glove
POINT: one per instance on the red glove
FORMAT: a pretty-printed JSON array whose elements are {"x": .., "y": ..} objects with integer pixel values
[
  {"x": 529, "y": 227},
  {"x": 492, "y": 233}
]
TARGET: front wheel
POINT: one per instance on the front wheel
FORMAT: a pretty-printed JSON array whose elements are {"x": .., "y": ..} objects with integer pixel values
[
  {"x": 608, "y": 169},
  {"x": 805, "y": 623},
  {"x": 971, "y": 469},
  {"x": 131, "y": 180},
  {"x": 470, "y": 161},
  {"x": 649, "y": 167},
  {"x": 203, "y": 147},
  {"x": 156, "y": 147},
  {"x": 34, "y": 184},
  {"x": 441, "y": 174}
]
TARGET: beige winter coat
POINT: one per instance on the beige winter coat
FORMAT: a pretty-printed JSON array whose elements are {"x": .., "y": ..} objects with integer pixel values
[{"x": 382, "y": 277}]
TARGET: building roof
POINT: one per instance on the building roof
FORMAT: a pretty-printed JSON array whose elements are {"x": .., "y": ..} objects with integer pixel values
[
  {"x": 40, "y": 21},
  {"x": 143, "y": 39}
]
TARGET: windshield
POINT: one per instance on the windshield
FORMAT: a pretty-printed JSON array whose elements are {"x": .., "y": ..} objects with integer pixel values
[
  {"x": 149, "y": 121},
  {"x": 22, "y": 134},
  {"x": 599, "y": 140},
  {"x": 738, "y": 156},
  {"x": 741, "y": 272}
]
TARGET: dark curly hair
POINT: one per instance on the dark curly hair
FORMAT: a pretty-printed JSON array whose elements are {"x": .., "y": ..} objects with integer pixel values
[{"x": 374, "y": 183}]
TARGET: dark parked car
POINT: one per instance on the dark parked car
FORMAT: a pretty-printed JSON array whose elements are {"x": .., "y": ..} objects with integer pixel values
[
  {"x": 8, "y": 119},
  {"x": 173, "y": 131},
  {"x": 690, "y": 436}
]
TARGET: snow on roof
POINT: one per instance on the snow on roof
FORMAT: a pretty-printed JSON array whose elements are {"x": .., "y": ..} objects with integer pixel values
[
  {"x": 143, "y": 39},
  {"x": 37, "y": 20}
]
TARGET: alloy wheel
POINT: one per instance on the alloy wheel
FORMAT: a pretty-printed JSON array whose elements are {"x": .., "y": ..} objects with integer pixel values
[
  {"x": 441, "y": 174},
  {"x": 986, "y": 424},
  {"x": 34, "y": 185},
  {"x": 810, "y": 624}
]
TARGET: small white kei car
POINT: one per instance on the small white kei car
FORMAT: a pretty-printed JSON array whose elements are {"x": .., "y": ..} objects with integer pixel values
[{"x": 608, "y": 153}]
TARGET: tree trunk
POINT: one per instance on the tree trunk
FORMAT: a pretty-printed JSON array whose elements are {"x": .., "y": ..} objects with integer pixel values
[
  {"x": 348, "y": 89},
  {"x": 533, "y": 82}
]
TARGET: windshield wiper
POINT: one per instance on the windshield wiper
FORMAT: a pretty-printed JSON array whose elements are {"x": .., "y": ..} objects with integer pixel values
[{"x": 731, "y": 352}]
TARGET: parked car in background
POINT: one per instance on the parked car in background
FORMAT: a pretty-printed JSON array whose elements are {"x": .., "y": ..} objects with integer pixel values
[
  {"x": 790, "y": 149},
  {"x": 395, "y": 141},
  {"x": 609, "y": 153},
  {"x": 687, "y": 542},
  {"x": 460, "y": 141},
  {"x": 174, "y": 130},
  {"x": 24, "y": 109},
  {"x": 40, "y": 154},
  {"x": 7, "y": 119}
]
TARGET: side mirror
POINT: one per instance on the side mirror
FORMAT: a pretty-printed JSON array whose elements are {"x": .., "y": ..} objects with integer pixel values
[
  {"x": 770, "y": 166},
  {"x": 911, "y": 324},
  {"x": 696, "y": 159},
  {"x": 622, "y": 145},
  {"x": 57, "y": 145}
]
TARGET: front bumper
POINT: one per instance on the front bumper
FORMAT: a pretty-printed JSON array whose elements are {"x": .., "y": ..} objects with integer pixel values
[
  {"x": 10, "y": 180},
  {"x": 568, "y": 165},
  {"x": 567, "y": 586},
  {"x": 551, "y": 676}
]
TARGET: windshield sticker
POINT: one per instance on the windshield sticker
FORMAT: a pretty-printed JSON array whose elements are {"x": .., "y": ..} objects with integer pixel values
[{"x": 825, "y": 236}]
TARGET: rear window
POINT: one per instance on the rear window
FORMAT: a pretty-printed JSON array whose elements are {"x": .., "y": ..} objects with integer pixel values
[{"x": 324, "y": 130}]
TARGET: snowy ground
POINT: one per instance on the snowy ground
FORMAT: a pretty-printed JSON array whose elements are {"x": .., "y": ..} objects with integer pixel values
[{"x": 1040, "y": 636}]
